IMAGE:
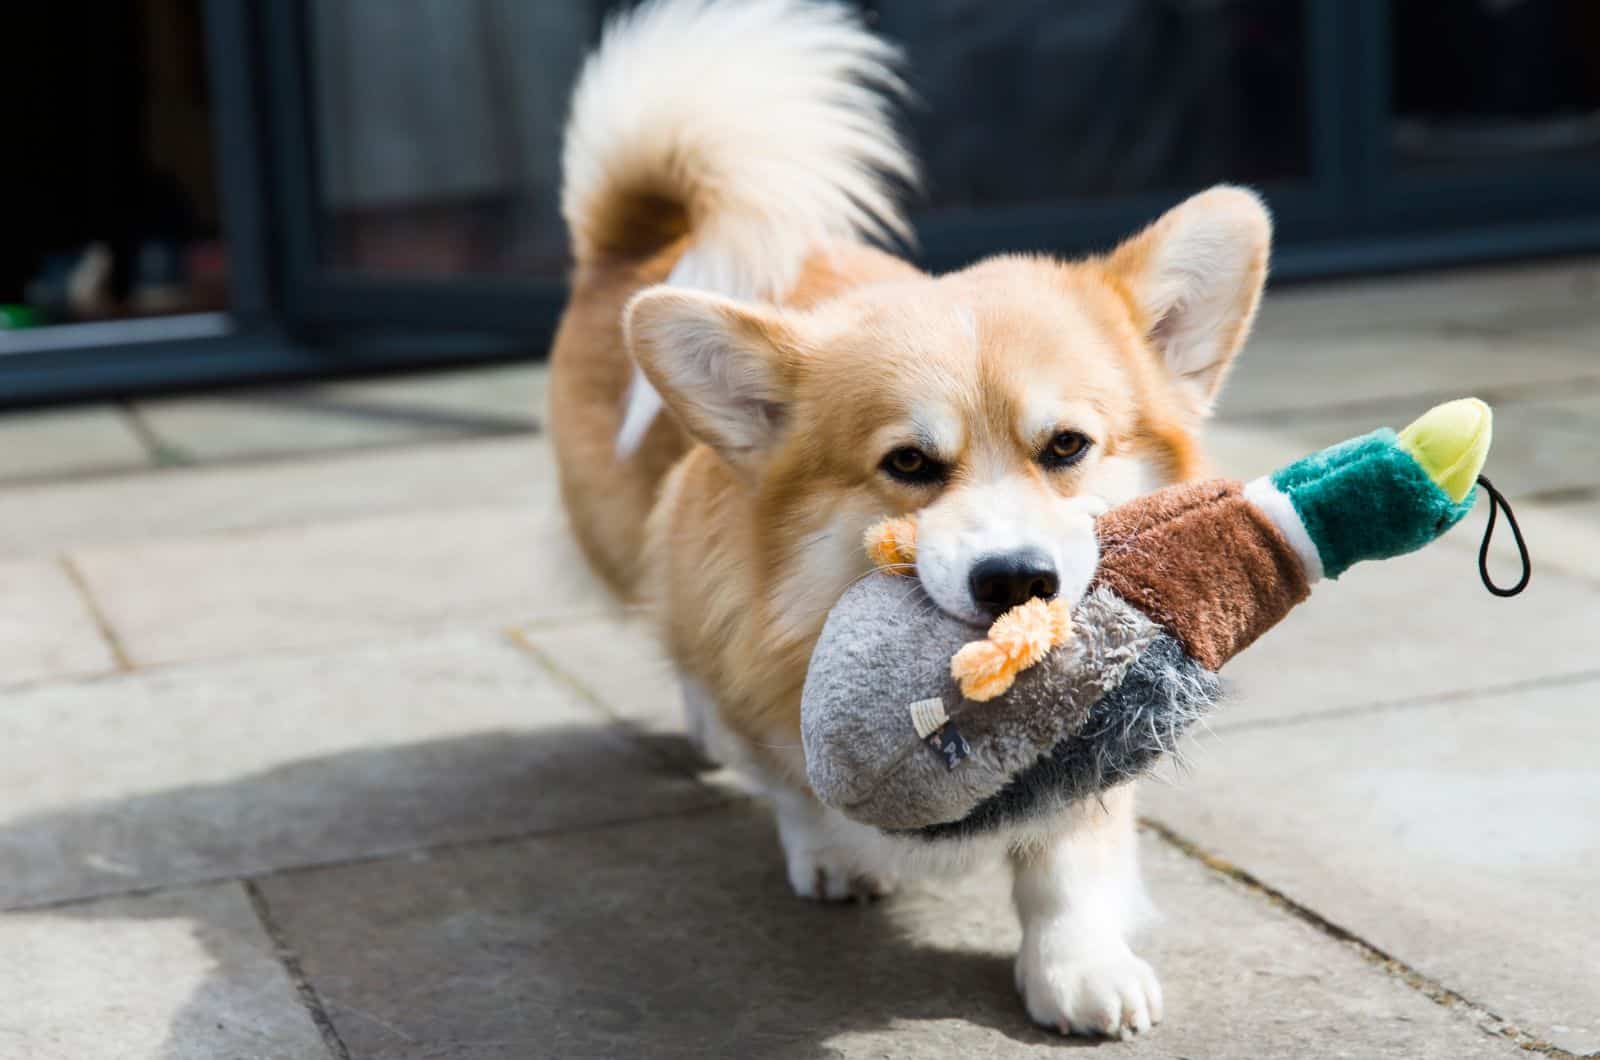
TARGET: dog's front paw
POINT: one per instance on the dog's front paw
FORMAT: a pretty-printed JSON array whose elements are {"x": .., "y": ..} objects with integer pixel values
[
  {"x": 823, "y": 863},
  {"x": 1111, "y": 992},
  {"x": 830, "y": 875}
]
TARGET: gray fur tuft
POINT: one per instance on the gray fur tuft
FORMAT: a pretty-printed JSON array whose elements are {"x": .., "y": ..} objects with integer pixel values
[{"x": 1124, "y": 735}]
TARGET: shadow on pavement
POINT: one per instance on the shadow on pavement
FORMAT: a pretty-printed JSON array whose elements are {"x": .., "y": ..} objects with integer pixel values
[{"x": 659, "y": 936}]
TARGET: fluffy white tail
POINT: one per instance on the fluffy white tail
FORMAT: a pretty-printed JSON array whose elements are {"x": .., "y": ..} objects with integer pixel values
[{"x": 758, "y": 127}]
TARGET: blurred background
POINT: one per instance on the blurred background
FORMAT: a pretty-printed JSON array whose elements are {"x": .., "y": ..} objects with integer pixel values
[{"x": 203, "y": 191}]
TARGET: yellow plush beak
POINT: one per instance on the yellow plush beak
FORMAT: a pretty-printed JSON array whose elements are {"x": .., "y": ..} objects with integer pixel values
[{"x": 1451, "y": 442}]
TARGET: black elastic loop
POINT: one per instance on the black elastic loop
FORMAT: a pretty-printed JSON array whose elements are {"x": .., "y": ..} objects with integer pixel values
[{"x": 1497, "y": 501}]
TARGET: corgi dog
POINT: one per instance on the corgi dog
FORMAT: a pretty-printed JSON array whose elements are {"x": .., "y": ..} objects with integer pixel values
[{"x": 742, "y": 383}]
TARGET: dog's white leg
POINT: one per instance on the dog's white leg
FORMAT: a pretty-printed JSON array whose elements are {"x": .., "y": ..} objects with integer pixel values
[
  {"x": 699, "y": 718},
  {"x": 1078, "y": 895},
  {"x": 829, "y": 857}
]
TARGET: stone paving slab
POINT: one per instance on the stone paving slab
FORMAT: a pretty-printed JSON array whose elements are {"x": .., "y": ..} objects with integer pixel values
[
  {"x": 678, "y": 938},
  {"x": 186, "y": 502},
  {"x": 1244, "y": 450},
  {"x": 186, "y": 975},
  {"x": 1499, "y": 296},
  {"x": 1575, "y": 516},
  {"x": 338, "y": 583},
  {"x": 1460, "y": 838},
  {"x": 237, "y": 768},
  {"x": 46, "y": 628},
  {"x": 509, "y": 394},
  {"x": 67, "y": 442},
  {"x": 620, "y": 662},
  {"x": 287, "y": 420},
  {"x": 239, "y": 425},
  {"x": 1305, "y": 375},
  {"x": 1569, "y": 326}
]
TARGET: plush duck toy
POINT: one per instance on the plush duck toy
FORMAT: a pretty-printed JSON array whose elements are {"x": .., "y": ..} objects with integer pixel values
[{"x": 914, "y": 721}]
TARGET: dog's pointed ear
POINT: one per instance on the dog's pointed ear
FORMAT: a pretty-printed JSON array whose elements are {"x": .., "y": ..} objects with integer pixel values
[
  {"x": 719, "y": 365},
  {"x": 1195, "y": 278}
]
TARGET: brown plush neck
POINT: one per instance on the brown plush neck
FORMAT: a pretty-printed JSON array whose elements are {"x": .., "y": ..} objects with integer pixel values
[{"x": 1203, "y": 562}]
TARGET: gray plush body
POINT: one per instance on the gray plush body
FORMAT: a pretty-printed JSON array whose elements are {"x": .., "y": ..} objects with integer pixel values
[{"x": 1092, "y": 714}]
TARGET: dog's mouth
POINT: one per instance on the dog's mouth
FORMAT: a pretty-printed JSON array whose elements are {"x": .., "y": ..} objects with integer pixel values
[
  {"x": 996, "y": 583},
  {"x": 976, "y": 563},
  {"x": 949, "y": 592}
]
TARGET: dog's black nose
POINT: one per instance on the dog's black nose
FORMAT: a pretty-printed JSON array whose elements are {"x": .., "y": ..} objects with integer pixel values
[{"x": 999, "y": 583}]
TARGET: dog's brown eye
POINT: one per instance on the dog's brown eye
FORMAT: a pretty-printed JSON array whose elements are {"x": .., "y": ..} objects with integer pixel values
[
  {"x": 1065, "y": 449},
  {"x": 907, "y": 461},
  {"x": 910, "y": 464}
]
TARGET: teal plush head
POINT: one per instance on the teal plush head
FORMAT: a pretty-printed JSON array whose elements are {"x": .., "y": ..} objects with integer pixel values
[{"x": 1385, "y": 494}]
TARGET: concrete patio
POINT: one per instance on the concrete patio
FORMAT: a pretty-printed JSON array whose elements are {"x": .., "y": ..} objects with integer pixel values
[{"x": 318, "y": 742}]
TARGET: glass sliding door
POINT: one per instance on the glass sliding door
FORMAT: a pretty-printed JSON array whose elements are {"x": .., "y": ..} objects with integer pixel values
[
  {"x": 1486, "y": 121},
  {"x": 1494, "y": 86},
  {"x": 438, "y": 132},
  {"x": 1040, "y": 101}
]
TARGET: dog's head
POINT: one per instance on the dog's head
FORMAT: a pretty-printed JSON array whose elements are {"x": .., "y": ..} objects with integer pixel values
[{"x": 1006, "y": 402}]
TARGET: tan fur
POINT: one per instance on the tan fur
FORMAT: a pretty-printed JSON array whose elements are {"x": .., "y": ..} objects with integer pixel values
[{"x": 607, "y": 500}]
